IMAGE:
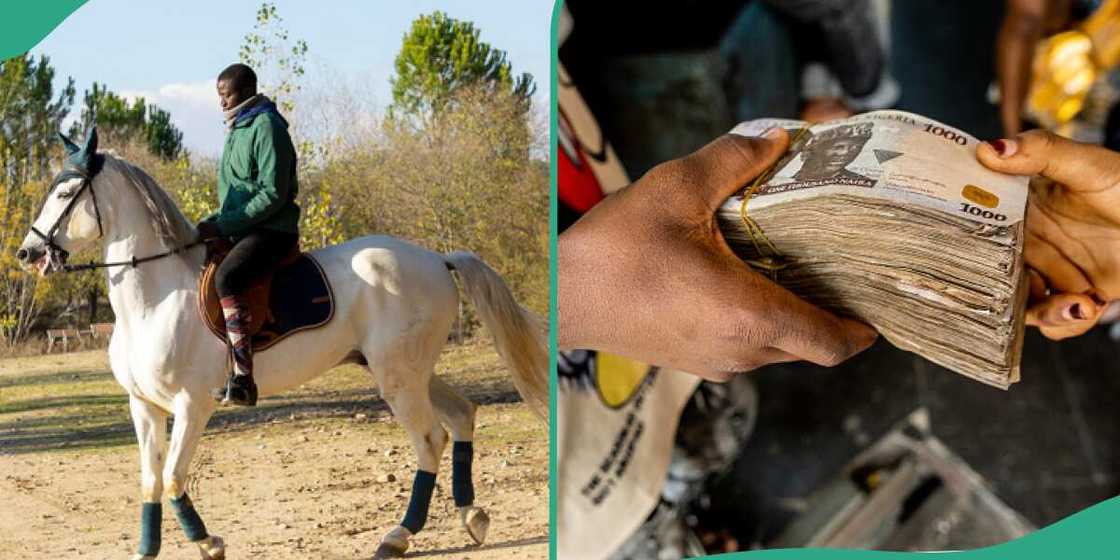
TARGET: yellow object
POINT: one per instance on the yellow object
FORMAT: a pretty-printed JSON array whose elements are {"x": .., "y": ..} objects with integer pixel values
[
  {"x": 618, "y": 378},
  {"x": 1062, "y": 73},
  {"x": 1103, "y": 29},
  {"x": 1066, "y": 66}
]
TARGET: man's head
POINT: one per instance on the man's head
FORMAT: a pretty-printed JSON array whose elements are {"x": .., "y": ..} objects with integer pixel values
[
  {"x": 236, "y": 83},
  {"x": 828, "y": 153}
]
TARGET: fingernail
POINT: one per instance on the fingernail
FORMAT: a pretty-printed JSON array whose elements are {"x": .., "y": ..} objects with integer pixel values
[
  {"x": 773, "y": 133},
  {"x": 1074, "y": 313},
  {"x": 1005, "y": 148}
]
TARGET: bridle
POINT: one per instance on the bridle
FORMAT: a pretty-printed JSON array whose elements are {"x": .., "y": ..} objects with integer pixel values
[
  {"x": 57, "y": 254},
  {"x": 54, "y": 250}
]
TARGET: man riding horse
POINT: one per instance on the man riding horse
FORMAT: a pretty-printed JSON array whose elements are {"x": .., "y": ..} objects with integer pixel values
[
  {"x": 257, "y": 212},
  {"x": 392, "y": 308}
]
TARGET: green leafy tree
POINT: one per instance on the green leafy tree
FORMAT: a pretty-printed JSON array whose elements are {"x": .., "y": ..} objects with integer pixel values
[
  {"x": 121, "y": 121},
  {"x": 163, "y": 138},
  {"x": 439, "y": 56}
]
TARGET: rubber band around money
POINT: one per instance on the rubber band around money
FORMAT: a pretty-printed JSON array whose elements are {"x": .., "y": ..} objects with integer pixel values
[{"x": 773, "y": 262}]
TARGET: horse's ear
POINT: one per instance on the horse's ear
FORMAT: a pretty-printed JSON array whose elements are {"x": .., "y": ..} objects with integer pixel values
[
  {"x": 91, "y": 142},
  {"x": 71, "y": 147}
]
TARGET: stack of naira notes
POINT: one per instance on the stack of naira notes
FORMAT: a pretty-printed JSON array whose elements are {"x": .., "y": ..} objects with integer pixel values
[{"x": 887, "y": 217}]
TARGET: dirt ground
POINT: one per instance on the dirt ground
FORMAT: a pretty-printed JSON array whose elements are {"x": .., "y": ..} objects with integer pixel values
[{"x": 321, "y": 472}]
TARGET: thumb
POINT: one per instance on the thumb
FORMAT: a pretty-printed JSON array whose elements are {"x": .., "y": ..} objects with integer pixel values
[
  {"x": 731, "y": 162},
  {"x": 1064, "y": 315},
  {"x": 1080, "y": 167}
]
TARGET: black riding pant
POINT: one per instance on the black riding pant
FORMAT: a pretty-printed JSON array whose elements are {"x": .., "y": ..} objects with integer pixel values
[{"x": 252, "y": 258}]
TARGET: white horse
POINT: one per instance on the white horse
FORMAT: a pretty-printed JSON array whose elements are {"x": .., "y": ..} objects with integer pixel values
[{"x": 395, "y": 305}]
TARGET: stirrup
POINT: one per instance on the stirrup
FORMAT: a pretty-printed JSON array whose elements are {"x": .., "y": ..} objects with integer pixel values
[{"x": 240, "y": 390}]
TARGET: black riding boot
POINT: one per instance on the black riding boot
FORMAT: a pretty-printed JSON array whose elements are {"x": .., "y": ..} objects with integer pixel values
[{"x": 240, "y": 390}]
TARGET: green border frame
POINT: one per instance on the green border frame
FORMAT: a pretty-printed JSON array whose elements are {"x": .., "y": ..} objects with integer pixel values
[
  {"x": 553, "y": 215},
  {"x": 1092, "y": 533},
  {"x": 26, "y": 22}
]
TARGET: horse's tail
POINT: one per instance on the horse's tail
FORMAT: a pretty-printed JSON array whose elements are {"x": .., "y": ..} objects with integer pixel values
[{"x": 518, "y": 334}]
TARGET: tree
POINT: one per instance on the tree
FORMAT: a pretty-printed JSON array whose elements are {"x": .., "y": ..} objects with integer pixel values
[
  {"x": 278, "y": 61},
  {"x": 120, "y": 121},
  {"x": 276, "y": 58},
  {"x": 464, "y": 181},
  {"x": 31, "y": 113},
  {"x": 439, "y": 56},
  {"x": 163, "y": 138}
]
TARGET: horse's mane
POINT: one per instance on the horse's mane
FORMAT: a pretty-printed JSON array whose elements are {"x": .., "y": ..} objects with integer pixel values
[{"x": 167, "y": 220}]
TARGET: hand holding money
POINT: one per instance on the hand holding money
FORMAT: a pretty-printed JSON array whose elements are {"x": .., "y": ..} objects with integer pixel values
[
  {"x": 646, "y": 274},
  {"x": 1073, "y": 226},
  {"x": 887, "y": 217}
]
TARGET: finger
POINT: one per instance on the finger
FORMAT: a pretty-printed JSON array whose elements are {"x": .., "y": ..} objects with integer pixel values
[
  {"x": 731, "y": 161},
  {"x": 1080, "y": 167},
  {"x": 1063, "y": 310},
  {"x": 1038, "y": 289},
  {"x": 817, "y": 336},
  {"x": 1060, "y": 272},
  {"x": 1062, "y": 333}
]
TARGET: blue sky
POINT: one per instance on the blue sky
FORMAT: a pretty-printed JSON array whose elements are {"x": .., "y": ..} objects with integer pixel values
[{"x": 170, "y": 52}]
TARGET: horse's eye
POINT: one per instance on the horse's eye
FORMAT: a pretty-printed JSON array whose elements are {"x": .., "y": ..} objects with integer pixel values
[{"x": 65, "y": 195}]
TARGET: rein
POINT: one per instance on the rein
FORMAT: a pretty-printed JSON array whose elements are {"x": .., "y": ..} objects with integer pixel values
[
  {"x": 92, "y": 265},
  {"x": 57, "y": 252}
]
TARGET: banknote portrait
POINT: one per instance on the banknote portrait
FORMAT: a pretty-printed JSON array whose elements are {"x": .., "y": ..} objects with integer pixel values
[{"x": 828, "y": 154}]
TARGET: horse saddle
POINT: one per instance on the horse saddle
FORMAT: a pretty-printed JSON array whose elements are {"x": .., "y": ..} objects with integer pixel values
[{"x": 296, "y": 297}]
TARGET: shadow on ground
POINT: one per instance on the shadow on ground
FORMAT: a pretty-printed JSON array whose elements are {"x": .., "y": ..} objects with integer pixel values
[
  {"x": 58, "y": 424},
  {"x": 66, "y": 376}
]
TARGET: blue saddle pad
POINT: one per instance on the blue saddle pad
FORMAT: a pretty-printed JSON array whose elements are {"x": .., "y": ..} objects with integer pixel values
[{"x": 300, "y": 299}]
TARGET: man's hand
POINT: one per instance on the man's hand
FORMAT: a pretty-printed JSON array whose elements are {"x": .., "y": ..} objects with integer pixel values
[
  {"x": 207, "y": 231},
  {"x": 647, "y": 274},
  {"x": 1073, "y": 227}
]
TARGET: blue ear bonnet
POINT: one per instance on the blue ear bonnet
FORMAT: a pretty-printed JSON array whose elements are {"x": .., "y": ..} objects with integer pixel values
[{"x": 84, "y": 160}]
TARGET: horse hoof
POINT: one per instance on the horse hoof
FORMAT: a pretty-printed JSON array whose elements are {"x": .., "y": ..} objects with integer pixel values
[
  {"x": 386, "y": 550},
  {"x": 393, "y": 544},
  {"x": 212, "y": 548},
  {"x": 476, "y": 522}
]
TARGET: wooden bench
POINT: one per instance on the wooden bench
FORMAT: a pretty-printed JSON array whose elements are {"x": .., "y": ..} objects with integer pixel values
[
  {"x": 98, "y": 330},
  {"x": 64, "y": 335}
]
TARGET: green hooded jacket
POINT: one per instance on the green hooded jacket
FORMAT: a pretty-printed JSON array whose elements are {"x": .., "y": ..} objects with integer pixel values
[{"x": 257, "y": 183}]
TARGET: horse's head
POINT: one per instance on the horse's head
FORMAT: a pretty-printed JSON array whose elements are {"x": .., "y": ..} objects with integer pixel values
[{"x": 70, "y": 218}]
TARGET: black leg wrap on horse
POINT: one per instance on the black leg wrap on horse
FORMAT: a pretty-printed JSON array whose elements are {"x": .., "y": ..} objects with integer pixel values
[
  {"x": 462, "y": 487},
  {"x": 417, "y": 513},
  {"x": 188, "y": 518},
  {"x": 150, "y": 517}
]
